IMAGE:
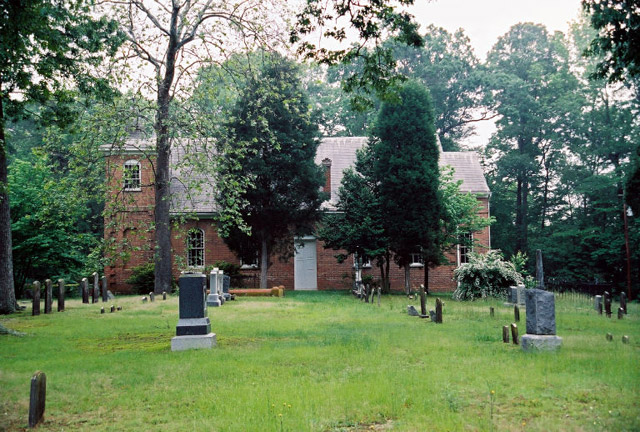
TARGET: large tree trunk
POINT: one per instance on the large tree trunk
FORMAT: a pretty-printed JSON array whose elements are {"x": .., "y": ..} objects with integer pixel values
[
  {"x": 264, "y": 263},
  {"x": 163, "y": 264},
  {"x": 7, "y": 288}
]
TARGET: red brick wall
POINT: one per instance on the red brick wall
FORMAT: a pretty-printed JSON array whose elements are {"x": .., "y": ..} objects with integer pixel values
[{"x": 129, "y": 231}]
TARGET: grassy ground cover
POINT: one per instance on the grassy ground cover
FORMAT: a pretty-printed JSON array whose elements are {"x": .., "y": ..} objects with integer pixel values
[{"x": 321, "y": 361}]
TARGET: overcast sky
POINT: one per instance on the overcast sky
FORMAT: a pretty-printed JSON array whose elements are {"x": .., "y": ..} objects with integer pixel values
[{"x": 484, "y": 21}]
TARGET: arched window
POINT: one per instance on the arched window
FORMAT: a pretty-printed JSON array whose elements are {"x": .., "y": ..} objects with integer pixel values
[
  {"x": 131, "y": 175},
  {"x": 195, "y": 248}
]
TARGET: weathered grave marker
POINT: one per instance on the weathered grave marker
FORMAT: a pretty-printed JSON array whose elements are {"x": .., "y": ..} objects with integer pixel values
[
  {"x": 609, "y": 337},
  {"x": 96, "y": 288},
  {"x": 194, "y": 328},
  {"x": 620, "y": 313},
  {"x": 423, "y": 301},
  {"x": 411, "y": 311},
  {"x": 623, "y": 301},
  {"x": 516, "y": 313},
  {"x": 119, "y": 308},
  {"x": 84, "y": 287},
  {"x": 113, "y": 309},
  {"x": 48, "y": 296},
  {"x": 432, "y": 315},
  {"x": 514, "y": 333},
  {"x": 37, "y": 398},
  {"x": 597, "y": 303},
  {"x": 164, "y": 295},
  {"x": 607, "y": 304},
  {"x": 492, "y": 312},
  {"x": 213, "y": 299},
  {"x": 541, "y": 321},
  {"x": 60, "y": 295},
  {"x": 102, "y": 309},
  {"x": 505, "y": 334},
  {"x": 35, "y": 309},
  {"x": 105, "y": 294},
  {"x": 144, "y": 299},
  {"x": 152, "y": 296},
  {"x": 438, "y": 311},
  {"x": 625, "y": 339},
  {"x": 513, "y": 294},
  {"x": 539, "y": 270}
]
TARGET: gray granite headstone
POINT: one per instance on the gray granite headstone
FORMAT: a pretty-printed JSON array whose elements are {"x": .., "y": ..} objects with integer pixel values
[
  {"x": 60, "y": 295},
  {"x": 84, "y": 289},
  {"x": 513, "y": 294},
  {"x": 110, "y": 295},
  {"x": 597, "y": 302},
  {"x": 152, "y": 296},
  {"x": 541, "y": 312},
  {"x": 607, "y": 303},
  {"x": 411, "y": 310},
  {"x": 35, "y": 310},
  {"x": 226, "y": 284},
  {"x": 520, "y": 295},
  {"x": 194, "y": 328},
  {"x": 37, "y": 398},
  {"x": 48, "y": 296}
]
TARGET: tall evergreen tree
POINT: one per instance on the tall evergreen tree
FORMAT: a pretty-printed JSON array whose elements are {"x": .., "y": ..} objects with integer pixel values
[
  {"x": 405, "y": 164},
  {"x": 274, "y": 125}
]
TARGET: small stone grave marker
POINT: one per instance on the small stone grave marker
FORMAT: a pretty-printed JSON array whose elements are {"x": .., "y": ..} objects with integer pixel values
[
  {"x": 516, "y": 313},
  {"x": 505, "y": 334},
  {"x": 84, "y": 288},
  {"x": 60, "y": 295},
  {"x": 438, "y": 311},
  {"x": 113, "y": 309},
  {"x": 620, "y": 313},
  {"x": 609, "y": 337},
  {"x": 514, "y": 333},
  {"x": 35, "y": 310},
  {"x": 102, "y": 309},
  {"x": 623, "y": 301},
  {"x": 625, "y": 339},
  {"x": 144, "y": 299},
  {"x": 411, "y": 311},
  {"x": 37, "y": 398},
  {"x": 597, "y": 303},
  {"x": 119, "y": 308},
  {"x": 164, "y": 295},
  {"x": 492, "y": 312},
  {"x": 48, "y": 296},
  {"x": 152, "y": 296}
]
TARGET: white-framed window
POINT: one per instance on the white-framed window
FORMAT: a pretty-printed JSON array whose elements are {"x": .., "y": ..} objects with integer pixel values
[
  {"x": 417, "y": 260},
  {"x": 131, "y": 175},
  {"x": 195, "y": 248},
  {"x": 250, "y": 263},
  {"x": 464, "y": 247}
]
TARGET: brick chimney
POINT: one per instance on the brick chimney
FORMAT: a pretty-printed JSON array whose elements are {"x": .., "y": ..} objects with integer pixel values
[{"x": 326, "y": 163}]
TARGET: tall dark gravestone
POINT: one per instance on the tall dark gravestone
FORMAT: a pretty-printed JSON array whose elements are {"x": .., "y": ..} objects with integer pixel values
[
  {"x": 48, "y": 296},
  {"x": 60, "y": 295},
  {"x": 194, "y": 328},
  {"x": 539, "y": 270},
  {"x": 96, "y": 288},
  {"x": 607, "y": 304},
  {"x": 103, "y": 285},
  {"x": 37, "y": 398},
  {"x": 84, "y": 289},
  {"x": 35, "y": 309},
  {"x": 623, "y": 301}
]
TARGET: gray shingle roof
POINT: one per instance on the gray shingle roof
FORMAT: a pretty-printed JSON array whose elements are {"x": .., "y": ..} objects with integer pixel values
[{"x": 187, "y": 156}]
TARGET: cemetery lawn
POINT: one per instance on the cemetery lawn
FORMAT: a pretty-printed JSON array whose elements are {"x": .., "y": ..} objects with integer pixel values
[{"x": 321, "y": 361}]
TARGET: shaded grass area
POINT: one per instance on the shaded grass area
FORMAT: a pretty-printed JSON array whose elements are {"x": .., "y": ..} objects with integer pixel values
[{"x": 321, "y": 361}]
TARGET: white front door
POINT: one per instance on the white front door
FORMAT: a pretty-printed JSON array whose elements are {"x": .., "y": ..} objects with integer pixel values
[{"x": 305, "y": 264}]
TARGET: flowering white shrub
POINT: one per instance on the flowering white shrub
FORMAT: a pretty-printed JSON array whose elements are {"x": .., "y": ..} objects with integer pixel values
[{"x": 485, "y": 275}]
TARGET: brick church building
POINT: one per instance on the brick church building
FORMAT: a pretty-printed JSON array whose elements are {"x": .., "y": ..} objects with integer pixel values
[{"x": 195, "y": 243}]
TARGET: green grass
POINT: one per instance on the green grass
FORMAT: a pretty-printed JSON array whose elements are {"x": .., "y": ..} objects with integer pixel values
[{"x": 321, "y": 362}]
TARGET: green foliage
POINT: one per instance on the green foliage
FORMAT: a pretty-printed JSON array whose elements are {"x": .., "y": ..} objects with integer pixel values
[
  {"x": 142, "y": 278},
  {"x": 618, "y": 25},
  {"x": 232, "y": 270},
  {"x": 485, "y": 275}
]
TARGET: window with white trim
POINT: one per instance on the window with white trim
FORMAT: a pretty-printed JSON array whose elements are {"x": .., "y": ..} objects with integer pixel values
[
  {"x": 465, "y": 246},
  {"x": 417, "y": 260},
  {"x": 131, "y": 175},
  {"x": 195, "y": 248}
]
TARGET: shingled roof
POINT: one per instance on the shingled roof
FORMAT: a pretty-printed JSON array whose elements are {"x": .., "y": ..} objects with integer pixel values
[{"x": 341, "y": 151}]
